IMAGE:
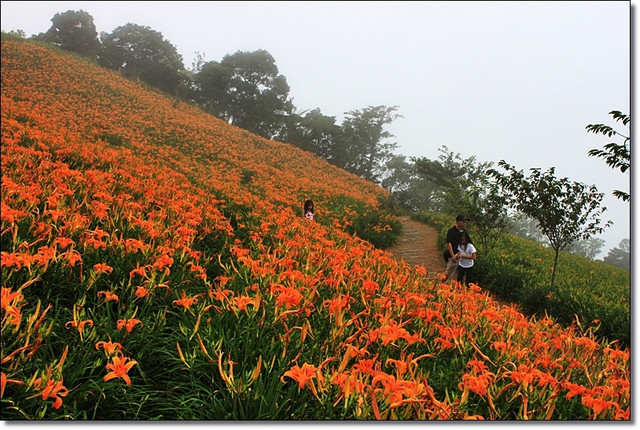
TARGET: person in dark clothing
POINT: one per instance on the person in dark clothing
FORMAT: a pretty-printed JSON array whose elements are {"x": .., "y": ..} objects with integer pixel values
[{"x": 453, "y": 238}]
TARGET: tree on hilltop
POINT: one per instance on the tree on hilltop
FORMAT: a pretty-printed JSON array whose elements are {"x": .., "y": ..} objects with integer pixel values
[
  {"x": 140, "y": 53},
  {"x": 246, "y": 90},
  {"x": 366, "y": 150},
  {"x": 73, "y": 31},
  {"x": 314, "y": 132}
]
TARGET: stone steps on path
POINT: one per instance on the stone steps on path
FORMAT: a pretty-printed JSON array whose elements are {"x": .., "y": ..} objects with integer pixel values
[{"x": 417, "y": 245}]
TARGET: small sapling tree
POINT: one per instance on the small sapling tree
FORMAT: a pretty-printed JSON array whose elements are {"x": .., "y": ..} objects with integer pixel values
[{"x": 565, "y": 211}]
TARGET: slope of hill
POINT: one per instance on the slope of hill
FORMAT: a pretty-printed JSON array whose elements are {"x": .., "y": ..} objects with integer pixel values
[{"x": 155, "y": 266}]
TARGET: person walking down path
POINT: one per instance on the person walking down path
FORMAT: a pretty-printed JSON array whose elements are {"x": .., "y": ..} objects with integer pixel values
[
  {"x": 453, "y": 237},
  {"x": 466, "y": 256}
]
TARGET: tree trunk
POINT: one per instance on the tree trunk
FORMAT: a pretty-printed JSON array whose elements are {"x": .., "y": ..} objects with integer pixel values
[{"x": 553, "y": 274}]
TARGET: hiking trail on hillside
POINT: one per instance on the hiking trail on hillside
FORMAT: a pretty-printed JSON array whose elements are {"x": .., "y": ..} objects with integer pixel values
[{"x": 418, "y": 245}]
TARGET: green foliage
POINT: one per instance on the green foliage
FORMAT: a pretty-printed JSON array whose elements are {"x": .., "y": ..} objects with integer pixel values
[
  {"x": 74, "y": 31},
  {"x": 13, "y": 35},
  {"x": 376, "y": 226},
  {"x": 140, "y": 53},
  {"x": 463, "y": 187},
  {"x": 367, "y": 151},
  {"x": 112, "y": 139},
  {"x": 411, "y": 191},
  {"x": 616, "y": 155},
  {"x": 586, "y": 291},
  {"x": 246, "y": 90},
  {"x": 314, "y": 132},
  {"x": 566, "y": 211}
]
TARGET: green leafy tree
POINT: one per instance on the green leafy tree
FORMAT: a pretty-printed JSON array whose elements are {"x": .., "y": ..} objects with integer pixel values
[
  {"x": 366, "y": 148},
  {"x": 140, "y": 53},
  {"x": 409, "y": 190},
  {"x": 616, "y": 155},
  {"x": 397, "y": 176},
  {"x": 73, "y": 31},
  {"x": 446, "y": 172},
  {"x": 246, "y": 90},
  {"x": 313, "y": 132},
  {"x": 620, "y": 256},
  {"x": 566, "y": 211},
  {"x": 464, "y": 187},
  {"x": 483, "y": 204},
  {"x": 212, "y": 79}
]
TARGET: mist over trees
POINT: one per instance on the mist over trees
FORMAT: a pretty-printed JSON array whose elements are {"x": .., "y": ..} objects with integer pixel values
[
  {"x": 247, "y": 90},
  {"x": 620, "y": 255}
]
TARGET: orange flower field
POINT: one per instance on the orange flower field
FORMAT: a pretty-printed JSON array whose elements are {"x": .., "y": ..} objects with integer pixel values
[{"x": 156, "y": 266}]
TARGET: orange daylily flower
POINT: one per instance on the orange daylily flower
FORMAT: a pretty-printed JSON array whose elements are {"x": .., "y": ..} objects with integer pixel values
[
  {"x": 72, "y": 257},
  {"x": 338, "y": 303},
  {"x": 119, "y": 368},
  {"x": 135, "y": 245},
  {"x": 301, "y": 375},
  {"x": 110, "y": 348},
  {"x": 370, "y": 287},
  {"x": 241, "y": 302},
  {"x": 141, "y": 292},
  {"x": 287, "y": 296},
  {"x": 9, "y": 301},
  {"x": 164, "y": 262},
  {"x": 128, "y": 324},
  {"x": 64, "y": 242},
  {"x": 53, "y": 389},
  {"x": 185, "y": 301},
  {"x": 396, "y": 388},
  {"x": 102, "y": 268},
  {"x": 349, "y": 383},
  {"x": 108, "y": 296},
  {"x": 142, "y": 271},
  {"x": 79, "y": 324},
  {"x": 597, "y": 405}
]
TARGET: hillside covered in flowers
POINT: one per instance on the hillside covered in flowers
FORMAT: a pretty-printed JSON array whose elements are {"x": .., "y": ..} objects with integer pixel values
[{"x": 156, "y": 266}]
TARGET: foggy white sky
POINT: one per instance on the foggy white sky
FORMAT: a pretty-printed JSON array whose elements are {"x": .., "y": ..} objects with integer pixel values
[{"x": 517, "y": 81}]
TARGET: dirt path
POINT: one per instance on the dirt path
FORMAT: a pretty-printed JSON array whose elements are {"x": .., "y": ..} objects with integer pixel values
[{"x": 418, "y": 245}]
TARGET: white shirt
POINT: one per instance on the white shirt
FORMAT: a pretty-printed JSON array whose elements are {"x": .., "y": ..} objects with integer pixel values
[{"x": 466, "y": 262}]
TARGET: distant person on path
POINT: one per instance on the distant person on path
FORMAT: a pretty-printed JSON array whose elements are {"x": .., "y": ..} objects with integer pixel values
[
  {"x": 308, "y": 210},
  {"x": 466, "y": 256},
  {"x": 453, "y": 237}
]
